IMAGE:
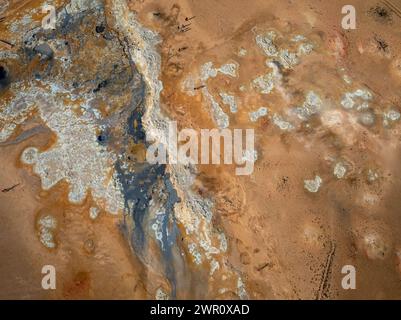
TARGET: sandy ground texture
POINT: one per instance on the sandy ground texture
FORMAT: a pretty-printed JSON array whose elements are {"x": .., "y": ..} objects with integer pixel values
[{"x": 324, "y": 104}]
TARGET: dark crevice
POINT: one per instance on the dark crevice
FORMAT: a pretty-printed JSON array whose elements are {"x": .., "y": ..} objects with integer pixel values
[{"x": 4, "y": 77}]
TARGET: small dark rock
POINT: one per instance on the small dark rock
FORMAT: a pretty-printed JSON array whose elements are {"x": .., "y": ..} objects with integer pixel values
[
  {"x": 101, "y": 85},
  {"x": 100, "y": 29}
]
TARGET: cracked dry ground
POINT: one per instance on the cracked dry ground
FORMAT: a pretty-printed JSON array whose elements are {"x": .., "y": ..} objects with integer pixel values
[{"x": 78, "y": 103}]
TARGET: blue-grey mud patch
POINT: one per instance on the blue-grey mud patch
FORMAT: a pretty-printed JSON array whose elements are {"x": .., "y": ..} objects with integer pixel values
[{"x": 144, "y": 186}]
